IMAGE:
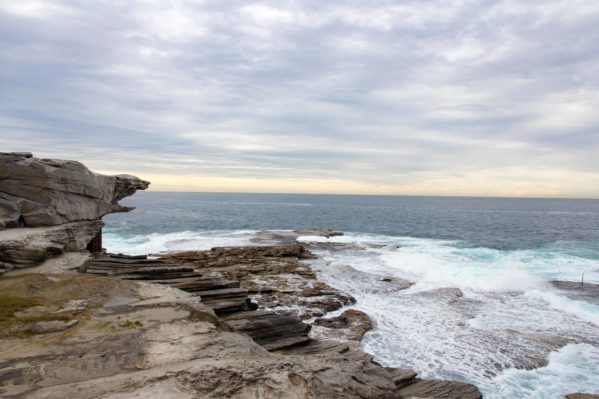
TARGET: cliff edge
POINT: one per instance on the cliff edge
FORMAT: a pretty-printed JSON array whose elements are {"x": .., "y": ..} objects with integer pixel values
[{"x": 52, "y": 206}]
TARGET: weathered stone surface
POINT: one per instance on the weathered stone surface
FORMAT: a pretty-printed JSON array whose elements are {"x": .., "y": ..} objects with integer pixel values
[
  {"x": 28, "y": 246},
  {"x": 51, "y": 206},
  {"x": 350, "y": 325},
  {"x": 274, "y": 274},
  {"x": 48, "y": 192},
  {"x": 579, "y": 395},
  {"x": 44, "y": 327},
  {"x": 440, "y": 389},
  {"x": 141, "y": 340},
  {"x": 402, "y": 377}
]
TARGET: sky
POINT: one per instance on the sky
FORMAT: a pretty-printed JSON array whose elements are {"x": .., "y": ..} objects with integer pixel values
[{"x": 484, "y": 98}]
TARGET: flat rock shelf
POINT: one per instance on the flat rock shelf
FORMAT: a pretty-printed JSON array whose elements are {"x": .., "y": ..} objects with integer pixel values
[{"x": 268, "y": 293}]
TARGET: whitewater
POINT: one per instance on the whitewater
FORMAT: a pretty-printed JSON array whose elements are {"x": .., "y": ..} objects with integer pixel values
[{"x": 484, "y": 314}]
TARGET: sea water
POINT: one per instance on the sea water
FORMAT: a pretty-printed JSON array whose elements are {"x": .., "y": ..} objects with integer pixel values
[{"x": 481, "y": 309}]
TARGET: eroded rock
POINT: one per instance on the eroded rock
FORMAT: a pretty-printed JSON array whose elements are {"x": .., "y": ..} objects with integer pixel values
[
  {"x": 150, "y": 340},
  {"x": 51, "y": 206},
  {"x": 48, "y": 192},
  {"x": 440, "y": 389},
  {"x": 350, "y": 325},
  {"x": 30, "y": 246},
  {"x": 579, "y": 395}
]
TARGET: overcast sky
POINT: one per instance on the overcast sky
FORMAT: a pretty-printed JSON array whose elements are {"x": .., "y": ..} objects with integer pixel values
[{"x": 390, "y": 97}]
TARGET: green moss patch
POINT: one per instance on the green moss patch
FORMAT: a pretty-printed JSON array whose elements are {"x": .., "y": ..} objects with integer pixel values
[{"x": 9, "y": 305}]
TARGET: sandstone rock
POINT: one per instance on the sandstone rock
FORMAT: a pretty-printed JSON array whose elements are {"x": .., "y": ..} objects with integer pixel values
[
  {"x": 43, "y": 327},
  {"x": 142, "y": 340},
  {"x": 275, "y": 273},
  {"x": 440, "y": 389},
  {"x": 350, "y": 325},
  {"x": 328, "y": 233},
  {"x": 579, "y": 395},
  {"x": 47, "y": 192},
  {"x": 23, "y": 247},
  {"x": 402, "y": 377}
]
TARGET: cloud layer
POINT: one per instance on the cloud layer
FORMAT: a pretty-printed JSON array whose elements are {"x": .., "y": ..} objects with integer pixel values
[{"x": 404, "y": 97}]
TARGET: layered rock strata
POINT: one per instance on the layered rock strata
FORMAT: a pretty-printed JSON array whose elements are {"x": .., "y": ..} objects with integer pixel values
[
  {"x": 264, "y": 292},
  {"x": 52, "y": 206},
  {"x": 122, "y": 339}
]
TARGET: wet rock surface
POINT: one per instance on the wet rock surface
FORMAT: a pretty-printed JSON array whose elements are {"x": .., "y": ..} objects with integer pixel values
[
  {"x": 274, "y": 274},
  {"x": 579, "y": 291},
  {"x": 349, "y": 325},
  {"x": 579, "y": 395},
  {"x": 439, "y": 389}
]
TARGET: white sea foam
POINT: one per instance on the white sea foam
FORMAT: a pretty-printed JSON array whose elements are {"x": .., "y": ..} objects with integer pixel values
[
  {"x": 508, "y": 318},
  {"x": 178, "y": 241},
  {"x": 581, "y": 309},
  {"x": 574, "y": 368}
]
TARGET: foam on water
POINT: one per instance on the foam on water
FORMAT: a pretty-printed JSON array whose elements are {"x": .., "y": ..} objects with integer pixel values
[
  {"x": 574, "y": 368},
  {"x": 171, "y": 242},
  {"x": 476, "y": 314},
  {"x": 509, "y": 318}
]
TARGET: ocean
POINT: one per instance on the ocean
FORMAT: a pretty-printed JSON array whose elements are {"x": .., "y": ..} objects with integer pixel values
[{"x": 482, "y": 308}]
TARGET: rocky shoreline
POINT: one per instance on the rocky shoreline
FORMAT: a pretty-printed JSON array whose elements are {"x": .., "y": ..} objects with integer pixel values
[{"x": 233, "y": 322}]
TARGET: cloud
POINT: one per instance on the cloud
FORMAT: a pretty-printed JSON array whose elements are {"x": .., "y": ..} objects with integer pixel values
[{"x": 462, "y": 97}]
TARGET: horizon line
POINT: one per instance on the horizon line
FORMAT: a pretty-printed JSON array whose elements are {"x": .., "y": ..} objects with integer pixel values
[{"x": 372, "y": 195}]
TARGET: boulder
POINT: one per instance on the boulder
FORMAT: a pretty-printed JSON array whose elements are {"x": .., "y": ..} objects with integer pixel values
[{"x": 48, "y": 192}]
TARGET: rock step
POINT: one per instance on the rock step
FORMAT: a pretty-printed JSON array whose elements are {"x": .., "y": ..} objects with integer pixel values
[
  {"x": 230, "y": 306},
  {"x": 317, "y": 346},
  {"x": 215, "y": 295},
  {"x": 402, "y": 377},
  {"x": 287, "y": 343},
  {"x": 439, "y": 389},
  {"x": 146, "y": 275},
  {"x": 227, "y": 299},
  {"x": 201, "y": 284},
  {"x": 123, "y": 256},
  {"x": 267, "y": 327},
  {"x": 119, "y": 261}
]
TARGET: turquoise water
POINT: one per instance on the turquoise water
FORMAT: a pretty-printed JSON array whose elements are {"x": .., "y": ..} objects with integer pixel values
[{"x": 510, "y": 332}]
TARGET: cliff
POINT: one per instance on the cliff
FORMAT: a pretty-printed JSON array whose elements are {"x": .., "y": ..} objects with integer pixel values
[{"x": 52, "y": 206}]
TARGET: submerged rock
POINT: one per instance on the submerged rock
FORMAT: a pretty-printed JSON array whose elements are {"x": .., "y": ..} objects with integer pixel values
[{"x": 577, "y": 290}]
